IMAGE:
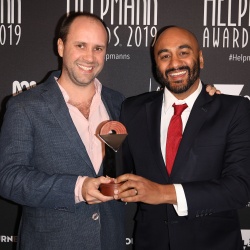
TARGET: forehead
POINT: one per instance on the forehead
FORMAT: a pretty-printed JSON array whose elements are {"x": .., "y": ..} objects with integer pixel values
[
  {"x": 87, "y": 28},
  {"x": 174, "y": 38}
]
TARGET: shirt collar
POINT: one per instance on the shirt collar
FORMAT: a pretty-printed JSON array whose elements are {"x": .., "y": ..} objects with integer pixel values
[
  {"x": 97, "y": 83},
  {"x": 169, "y": 99}
]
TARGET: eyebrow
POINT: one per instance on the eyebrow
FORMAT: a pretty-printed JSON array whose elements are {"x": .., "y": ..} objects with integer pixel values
[
  {"x": 84, "y": 43},
  {"x": 184, "y": 46}
]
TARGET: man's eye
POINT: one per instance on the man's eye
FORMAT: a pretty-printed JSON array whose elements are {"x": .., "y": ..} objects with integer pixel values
[
  {"x": 99, "y": 49},
  {"x": 184, "y": 53},
  {"x": 165, "y": 57}
]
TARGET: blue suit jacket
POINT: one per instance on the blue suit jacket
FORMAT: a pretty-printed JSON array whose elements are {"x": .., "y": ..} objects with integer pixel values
[
  {"x": 212, "y": 164},
  {"x": 41, "y": 156}
]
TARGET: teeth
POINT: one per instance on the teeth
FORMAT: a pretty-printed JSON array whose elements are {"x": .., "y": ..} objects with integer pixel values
[
  {"x": 178, "y": 73},
  {"x": 85, "y": 68}
]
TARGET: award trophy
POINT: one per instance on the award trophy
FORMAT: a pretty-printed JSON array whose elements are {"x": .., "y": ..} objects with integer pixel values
[{"x": 112, "y": 133}]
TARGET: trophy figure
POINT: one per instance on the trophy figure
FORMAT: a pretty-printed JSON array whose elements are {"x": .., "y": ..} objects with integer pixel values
[{"x": 112, "y": 133}]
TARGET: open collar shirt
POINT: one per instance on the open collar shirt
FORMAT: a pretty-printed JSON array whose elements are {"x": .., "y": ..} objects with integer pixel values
[{"x": 86, "y": 129}]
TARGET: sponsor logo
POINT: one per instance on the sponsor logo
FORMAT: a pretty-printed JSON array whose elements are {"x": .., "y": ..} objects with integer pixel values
[
  {"x": 18, "y": 87},
  {"x": 129, "y": 241},
  {"x": 229, "y": 89},
  {"x": 8, "y": 239}
]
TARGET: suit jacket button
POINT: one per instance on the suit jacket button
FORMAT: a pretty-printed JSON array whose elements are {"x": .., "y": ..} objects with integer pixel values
[{"x": 95, "y": 216}]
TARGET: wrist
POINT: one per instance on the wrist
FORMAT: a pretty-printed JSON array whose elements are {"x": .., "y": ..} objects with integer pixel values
[{"x": 169, "y": 194}]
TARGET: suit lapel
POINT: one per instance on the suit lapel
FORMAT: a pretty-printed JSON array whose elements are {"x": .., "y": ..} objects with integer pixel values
[
  {"x": 107, "y": 101},
  {"x": 153, "y": 110},
  {"x": 61, "y": 113},
  {"x": 196, "y": 120}
]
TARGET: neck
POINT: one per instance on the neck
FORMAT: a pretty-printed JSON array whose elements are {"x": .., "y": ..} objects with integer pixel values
[{"x": 78, "y": 94}]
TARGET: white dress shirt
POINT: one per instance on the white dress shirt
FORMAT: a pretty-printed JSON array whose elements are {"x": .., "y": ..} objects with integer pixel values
[{"x": 167, "y": 112}]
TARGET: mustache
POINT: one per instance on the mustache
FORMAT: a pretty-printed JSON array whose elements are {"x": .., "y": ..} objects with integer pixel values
[{"x": 174, "y": 69}]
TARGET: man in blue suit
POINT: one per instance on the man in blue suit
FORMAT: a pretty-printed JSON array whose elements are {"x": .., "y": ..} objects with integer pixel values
[
  {"x": 194, "y": 205},
  {"x": 50, "y": 157}
]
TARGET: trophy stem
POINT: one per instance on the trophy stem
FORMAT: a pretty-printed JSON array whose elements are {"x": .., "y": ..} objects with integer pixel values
[{"x": 109, "y": 162}]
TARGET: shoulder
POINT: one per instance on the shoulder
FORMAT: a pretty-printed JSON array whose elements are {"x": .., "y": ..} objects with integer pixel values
[
  {"x": 221, "y": 101},
  {"x": 143, "y": 98},
  {"x": 31, "y": 95},
  {"x": 34, "y": 94},
  {"x": 228, "y": 106},
  {"x": 231, "y": 100},
  {"x": 240, "y": 103},
  {"x": 107, "y": 90},
  {"x": 112, "y": 95},
  {"x": 135, "y": 105}
]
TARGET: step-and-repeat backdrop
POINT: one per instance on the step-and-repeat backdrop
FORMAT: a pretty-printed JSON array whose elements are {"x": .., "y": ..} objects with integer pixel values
[{"x": 28, "y": 53}]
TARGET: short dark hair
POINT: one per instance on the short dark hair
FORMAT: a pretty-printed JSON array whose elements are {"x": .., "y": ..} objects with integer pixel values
[{"x": 68, "y": 20}]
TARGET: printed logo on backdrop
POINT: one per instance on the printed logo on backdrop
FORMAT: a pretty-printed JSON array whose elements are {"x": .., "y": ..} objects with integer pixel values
[
  {"x": 221, "y": 28},
  {"x": 129, "y": 241},
  {"x": 130, "y": 24},
  {"x": 18, "y": 87},
  {"x": 10, "y": 22},
  {"x": 8, "y": 239},
  {"x": 226, "y": 25},
  {"x": 246, "y": 239},
  {"x": 231, "y": 89}
]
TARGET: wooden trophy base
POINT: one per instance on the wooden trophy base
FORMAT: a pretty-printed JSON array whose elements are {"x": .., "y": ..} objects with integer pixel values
[{"x": 107, "y": 189}]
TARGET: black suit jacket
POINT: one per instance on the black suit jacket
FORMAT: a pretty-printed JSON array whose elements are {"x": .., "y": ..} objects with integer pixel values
[{"x": 212, "y": 164}]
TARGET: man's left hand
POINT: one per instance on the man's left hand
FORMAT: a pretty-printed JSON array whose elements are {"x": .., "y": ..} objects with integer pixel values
[{"x": 136, "y": 188}]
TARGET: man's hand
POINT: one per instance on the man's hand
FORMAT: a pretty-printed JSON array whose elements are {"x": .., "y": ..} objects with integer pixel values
[
  {"x": 212, "y": 90},
  {"x": 90, "y": 190},
  {"x": 137, "y": 188}
]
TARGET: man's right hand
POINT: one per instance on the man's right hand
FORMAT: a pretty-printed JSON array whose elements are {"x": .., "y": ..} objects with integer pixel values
[{"x": 90, "y": 190}]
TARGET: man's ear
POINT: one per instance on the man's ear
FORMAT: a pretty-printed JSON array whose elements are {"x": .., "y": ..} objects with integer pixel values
[
  {"x": 60, "y": 47},
  {"x": 201, "y": 60}
]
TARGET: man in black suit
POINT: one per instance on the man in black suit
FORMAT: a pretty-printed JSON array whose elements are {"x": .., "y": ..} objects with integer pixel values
[{"x": 195, "y": 205}]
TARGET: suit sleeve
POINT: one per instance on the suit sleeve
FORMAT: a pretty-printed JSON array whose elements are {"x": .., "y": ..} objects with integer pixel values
[
  {"x": 20, "y": 180},
  {"x": 232, "y": 189}
]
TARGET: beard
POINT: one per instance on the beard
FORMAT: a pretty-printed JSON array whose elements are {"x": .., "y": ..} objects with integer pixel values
[{"x": 193, "y": 75}]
